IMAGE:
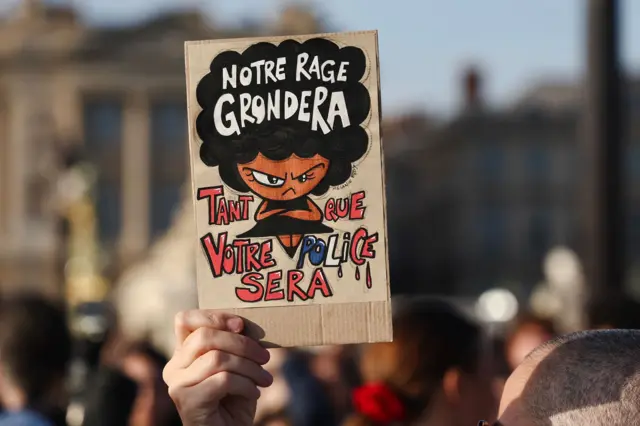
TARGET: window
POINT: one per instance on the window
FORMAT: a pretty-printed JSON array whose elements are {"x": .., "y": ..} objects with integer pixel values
[
  {"x": 493, "y": 225},
  {"x": 102, "y": 122},
  {"x": 540, "y": 233},
  {"x": 169, "y": 123},
  {"x": 168, "y": 151},
  {"x": 537, "y": 162},
  {"x": 633, "y": 100},
  {"x": 103, "y": 139},
  {"x": 108, "y": 212},
  {"x": 633, "y": 161},
  {"x": 166, "y": 199},
  {"x": 633, "y": 232},
  {"x": 491, "y": 162}
]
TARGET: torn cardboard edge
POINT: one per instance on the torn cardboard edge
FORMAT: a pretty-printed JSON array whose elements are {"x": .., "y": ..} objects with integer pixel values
[{"x": 318, "y": 325}]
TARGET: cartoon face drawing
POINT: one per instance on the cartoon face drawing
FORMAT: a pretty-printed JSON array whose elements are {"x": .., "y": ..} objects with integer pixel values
[{"x": 283, "y": 180}]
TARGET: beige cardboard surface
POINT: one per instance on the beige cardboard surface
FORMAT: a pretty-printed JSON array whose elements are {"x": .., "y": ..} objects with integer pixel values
[{"x": 288, "y": 185}]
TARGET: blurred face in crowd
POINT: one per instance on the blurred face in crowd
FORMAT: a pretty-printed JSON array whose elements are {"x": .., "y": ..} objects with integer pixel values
[
  {"x": 326, "y": 364},
  {"x": 330, "y": 365},
  {"x": 438, "y": 366},
  {"x": 471, "y": 396},
  {"x": 462, "y": 397},
  {"x": 526, "y": 339},
  {"x": 152, "y": 403}
]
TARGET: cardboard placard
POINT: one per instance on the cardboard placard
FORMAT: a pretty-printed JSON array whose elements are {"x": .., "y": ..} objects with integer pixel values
[{"x": 288, "y": 185}]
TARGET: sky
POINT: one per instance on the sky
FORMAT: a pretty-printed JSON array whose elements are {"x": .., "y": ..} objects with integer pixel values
[{"x": 426, "y": 44}]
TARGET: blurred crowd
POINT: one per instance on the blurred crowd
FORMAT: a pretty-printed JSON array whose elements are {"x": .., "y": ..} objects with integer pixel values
[{"x": 443, "y": 369}]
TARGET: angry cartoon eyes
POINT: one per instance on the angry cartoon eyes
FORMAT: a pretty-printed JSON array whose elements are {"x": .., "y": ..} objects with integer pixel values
[
  {"x": 276, "y": 182},
  {"x": 267, "y": 180}
]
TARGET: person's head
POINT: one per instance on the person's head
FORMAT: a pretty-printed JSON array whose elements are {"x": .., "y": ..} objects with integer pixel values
[
  {"x": 527, "y": 333},
  {"x": 436, "y": 366},
  {"x": 283, "y": 162},
  {"x": 332, "y": 364},
  {"x": 35, "y": 349},
  {"x": 587, "y": 378},
  {"x": 153, "y": 406},
  {"x": 619, "y": 311}
]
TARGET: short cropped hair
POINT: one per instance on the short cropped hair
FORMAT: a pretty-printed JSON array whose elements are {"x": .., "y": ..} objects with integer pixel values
[
  {"x": 35, "y": 344},
  {"x": 586, "y": 378}
]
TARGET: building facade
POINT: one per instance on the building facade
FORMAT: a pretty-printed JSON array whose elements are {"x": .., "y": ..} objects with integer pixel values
[
  {"x": 500, "y": 188},
  {"x": 117, "y": 94}
]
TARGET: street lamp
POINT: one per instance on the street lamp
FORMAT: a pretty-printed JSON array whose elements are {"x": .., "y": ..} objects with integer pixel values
[
  {"x": 85, "y": 287},
  {"x": 83, "y": 279}
]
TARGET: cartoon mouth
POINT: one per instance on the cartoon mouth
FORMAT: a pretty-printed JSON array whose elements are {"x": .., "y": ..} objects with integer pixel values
[{"x": 290, "y": 189}]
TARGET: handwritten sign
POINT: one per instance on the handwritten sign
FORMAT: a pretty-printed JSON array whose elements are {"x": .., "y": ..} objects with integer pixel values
[{"x": 288, "y": 173}]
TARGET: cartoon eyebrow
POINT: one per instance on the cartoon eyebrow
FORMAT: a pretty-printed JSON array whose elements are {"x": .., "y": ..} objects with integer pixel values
[
  {"x": 249, "y": 170},
  {"x": 304, "y": 173}
]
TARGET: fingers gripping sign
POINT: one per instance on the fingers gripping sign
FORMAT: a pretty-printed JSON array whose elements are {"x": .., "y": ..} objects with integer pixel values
[
  {"x": 187, "y": 322},
  {"x": 214, "y": 374}
]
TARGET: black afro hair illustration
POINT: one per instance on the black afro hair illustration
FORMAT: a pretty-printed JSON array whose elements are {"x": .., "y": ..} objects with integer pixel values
[{"x": 278, "y": 135}]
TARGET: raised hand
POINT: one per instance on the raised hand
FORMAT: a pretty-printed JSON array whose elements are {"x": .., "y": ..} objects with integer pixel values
[{"x": 214, "y": 374}]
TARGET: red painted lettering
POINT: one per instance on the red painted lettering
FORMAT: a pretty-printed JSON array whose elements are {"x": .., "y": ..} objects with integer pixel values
[
  {"x": 319, "y": 282},
  {"x": 228, "y": 264},
  {"x": 223, "y": 211},
  {"x": 293, "y": 278},
  {"x": 343, "y": 207},
  {"x": 329, "y": 210},
  {"x": 214, "y": 252},
  {"x": 358, "y": 237},
  {"x": 274, "y": 292},
  {"x": 240, "y": 261},
  {"x": 245, "y": 200},
  {"x": 357, "y": 207},
  {"x": 222, "y": 217},
  {"x": 265, "y": 255},
  {"x": 351, "y": 207},
  {"x": 234, "y": 212},
  {"x": 237, "y": 257},
  {"x": 253, "y": 263},
  {"x": 367, "y": 248},
  {"x": 211, "y": 195},
  {"x": 255, "y": 293}
]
